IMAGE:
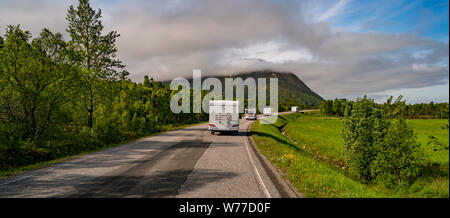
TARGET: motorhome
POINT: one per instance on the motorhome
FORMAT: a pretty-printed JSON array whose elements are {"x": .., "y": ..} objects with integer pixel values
[
  {"x": 224, "y": 116},
  {"x": 250, "y": 114},
  {"x": 295, "y": 109},
  {"x": 267, "y": 111}
]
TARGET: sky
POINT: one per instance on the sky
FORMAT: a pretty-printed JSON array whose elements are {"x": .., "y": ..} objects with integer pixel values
[{"x": 339, "y": 48}]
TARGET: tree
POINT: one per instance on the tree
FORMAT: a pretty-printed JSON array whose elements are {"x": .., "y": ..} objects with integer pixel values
[
  {"x": 33, "y": 76},
  {"x": 379, "y": 145},
  {"x": 95, "y": 53},
  {"x": 326, "y": 107},
  {"x": 359, "y": 133},
  {"x": 399, "y": 158}
]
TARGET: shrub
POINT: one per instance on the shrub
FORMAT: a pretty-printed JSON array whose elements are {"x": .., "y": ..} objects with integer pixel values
[
  {"x": 379, "y": 148},
  {"x": 399, "y": 157},
  {"x": 138, "y": 124},
  {"x": 359, "y": 134},
  {"x": 107, "y": 132}
]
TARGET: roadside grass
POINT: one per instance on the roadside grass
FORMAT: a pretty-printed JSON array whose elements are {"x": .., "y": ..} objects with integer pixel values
[
  {"x": 12, "y": 172},
  {"x": 318, "y": 137},
  {"x": 310, "y": 176}
]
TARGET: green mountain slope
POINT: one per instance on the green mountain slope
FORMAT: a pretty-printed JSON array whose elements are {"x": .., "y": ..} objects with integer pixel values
[{"x": 291, "y": 90}]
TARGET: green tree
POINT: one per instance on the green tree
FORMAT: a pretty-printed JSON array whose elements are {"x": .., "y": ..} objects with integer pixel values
[
  {"x": 326, "y": 107},
  {"x": 95, "y": 54},
  {"x": 399, "y": 158},
  {"x": 34, "y": 74},
  {"x": 379, "y": 145},
  {"x": 361, "y": 127}
]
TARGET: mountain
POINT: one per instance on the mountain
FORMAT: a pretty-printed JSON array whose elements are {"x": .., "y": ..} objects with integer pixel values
[{"x": 291, "y": 90}]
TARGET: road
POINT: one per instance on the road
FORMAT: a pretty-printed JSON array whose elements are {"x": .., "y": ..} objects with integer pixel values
[{"x": 189, "y": 162}]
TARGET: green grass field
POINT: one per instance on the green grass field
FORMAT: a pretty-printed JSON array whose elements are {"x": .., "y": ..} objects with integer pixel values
[{"x": 311, "y": 157}]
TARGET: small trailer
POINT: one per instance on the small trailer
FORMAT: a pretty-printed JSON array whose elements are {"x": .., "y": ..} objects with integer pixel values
[
  {"x": 267, "y": 111},
  {"x": 250, "y": 114},
  {"x": 224, "y": 116},
  {"x": 295, "y": 109}
]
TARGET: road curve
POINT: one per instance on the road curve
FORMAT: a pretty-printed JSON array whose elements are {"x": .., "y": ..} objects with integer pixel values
[{"x": 189, "y": 162}]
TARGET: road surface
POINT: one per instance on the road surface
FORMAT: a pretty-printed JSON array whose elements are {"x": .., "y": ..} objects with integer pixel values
[{"x": 188, "y": 162}]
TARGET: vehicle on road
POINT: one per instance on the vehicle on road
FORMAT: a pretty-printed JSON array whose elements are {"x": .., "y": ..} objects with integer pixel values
[
  {"x": 250, "y": 114},
  {"x": 224, "y": 116},
  {"x": 267, "y": 111},
  {"x": 295, "y": 109}
]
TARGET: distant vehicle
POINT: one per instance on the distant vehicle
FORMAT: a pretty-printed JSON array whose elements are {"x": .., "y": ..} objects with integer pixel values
[
  {"x": 224, "y": 116},
  {"x": 295, "y": 109},
  {"x": 267, "y": 111},
  {"x": 250, "y": 114}
]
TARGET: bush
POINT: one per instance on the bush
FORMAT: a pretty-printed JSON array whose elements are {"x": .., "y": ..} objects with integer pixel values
[
  {"x": 399, "y": 157},
  {"x": 378, "y": 148},
  {"x": 138, "y": 124},
  {"x": 359, "y": 133},
  {"x": 107, "y": 132}
]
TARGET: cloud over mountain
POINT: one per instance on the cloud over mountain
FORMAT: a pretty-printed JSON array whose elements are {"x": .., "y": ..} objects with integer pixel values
[{"x": 171, "y": 38}]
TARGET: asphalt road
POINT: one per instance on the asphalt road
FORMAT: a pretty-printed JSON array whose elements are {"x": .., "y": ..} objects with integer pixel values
[{"x": 189, "y": 162}]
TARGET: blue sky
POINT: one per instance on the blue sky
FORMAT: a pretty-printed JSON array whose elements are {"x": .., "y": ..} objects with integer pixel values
[
  {"x": 427, "y": 18},
  {"x": 339, "y": 48}
]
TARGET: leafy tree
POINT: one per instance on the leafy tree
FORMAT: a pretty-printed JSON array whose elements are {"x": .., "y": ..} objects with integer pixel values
[
  {"x": 361, "y": 129},
  {"x": 61, "y": 98},
  {"x": 379, "y": 145},
  {"x": 95, "y": 54},
  {"x": 34, "y": 75},
  {"x": 399, "y": 158},
  {"x": 326, "y": 107}
]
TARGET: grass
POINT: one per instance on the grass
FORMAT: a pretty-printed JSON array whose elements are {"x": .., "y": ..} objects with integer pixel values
[
  {"x": 310, "y": 176},
  {"x": 18, "y": 170},
  {"x": 315, "y": 142}
]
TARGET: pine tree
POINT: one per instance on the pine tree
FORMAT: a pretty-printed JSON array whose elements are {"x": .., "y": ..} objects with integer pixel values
[{"x": 95, "y": 53}]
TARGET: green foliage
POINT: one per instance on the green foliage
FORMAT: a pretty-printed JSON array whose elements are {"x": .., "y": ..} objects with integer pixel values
[
  {"x": 321, "y": 136},
  {"x": 34, "y": 76},
  {"x": 379, "y": 148},
  {"x": 311, "y": 177},
  {"x": 399, "y": 158},
  {"x": 61, "y": 98},
  {"x": 94, "y": 53},
  {"x": 336, "y": 107},
  {"x": 361, "y": 129}
]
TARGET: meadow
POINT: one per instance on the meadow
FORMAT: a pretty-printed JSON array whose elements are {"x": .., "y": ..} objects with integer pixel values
[{"x": 307, "y": 148}]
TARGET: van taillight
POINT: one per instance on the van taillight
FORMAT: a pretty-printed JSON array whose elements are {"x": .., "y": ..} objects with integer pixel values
[{"x": 212, "y": 125}]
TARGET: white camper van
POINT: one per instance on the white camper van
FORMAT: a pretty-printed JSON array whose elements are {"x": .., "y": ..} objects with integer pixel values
[
  {"x": 295, "y": 109},
  {"x": 224, "y": 116},
  {"x": 250, "y": 114},
  {"x": 267, "y": 111}
]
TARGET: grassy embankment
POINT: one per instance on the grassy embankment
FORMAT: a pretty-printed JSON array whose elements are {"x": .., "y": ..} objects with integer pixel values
[{"x": 311, "y": 157}]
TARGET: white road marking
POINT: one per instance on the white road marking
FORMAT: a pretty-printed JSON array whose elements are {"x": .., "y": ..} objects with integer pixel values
[{"x": 266, "y": 192}]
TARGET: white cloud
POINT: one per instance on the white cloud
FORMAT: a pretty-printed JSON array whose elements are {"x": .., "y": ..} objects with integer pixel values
[{"x": 333, "y": 11}]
